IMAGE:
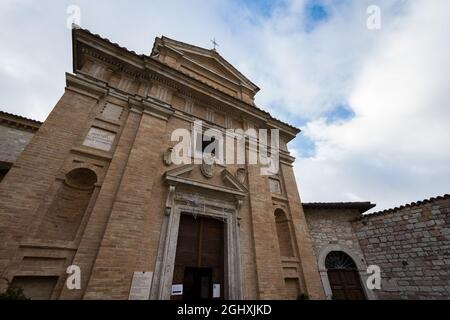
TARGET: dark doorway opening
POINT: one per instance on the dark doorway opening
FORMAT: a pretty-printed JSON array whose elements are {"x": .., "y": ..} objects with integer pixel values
[{"x": 197, "y": 284}]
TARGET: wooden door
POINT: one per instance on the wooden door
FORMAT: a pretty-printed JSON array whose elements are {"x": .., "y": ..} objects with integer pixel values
[
  {"x": 345, "y": 284},
  {"x": 199, "y": 259}
]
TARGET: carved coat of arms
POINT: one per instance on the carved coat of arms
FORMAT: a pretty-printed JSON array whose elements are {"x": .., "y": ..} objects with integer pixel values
[{"x": 207, "y": 166}]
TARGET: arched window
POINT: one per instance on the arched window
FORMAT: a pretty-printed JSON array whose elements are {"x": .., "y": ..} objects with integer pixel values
[
  {"x": 67, "y": 210},
  {"x": 339, "y": 260},
  {"x": 284, "y": 234}
]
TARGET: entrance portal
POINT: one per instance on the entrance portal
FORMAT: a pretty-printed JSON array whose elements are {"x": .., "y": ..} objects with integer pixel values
[
  {"x": 199, "y": 260},
  {"x": 344, "y": 277}
]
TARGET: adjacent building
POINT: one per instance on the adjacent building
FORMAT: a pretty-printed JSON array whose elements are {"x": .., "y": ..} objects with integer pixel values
[{"x": 15, "y": 132}]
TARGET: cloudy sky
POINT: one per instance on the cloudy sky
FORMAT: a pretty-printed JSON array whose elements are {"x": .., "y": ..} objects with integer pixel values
[{"x": 374, "y": 105}]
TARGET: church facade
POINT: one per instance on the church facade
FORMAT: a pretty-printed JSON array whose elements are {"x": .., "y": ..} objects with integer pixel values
[
  {"x": 95, "y": 204},
  {"x": 96, "y": 188}
]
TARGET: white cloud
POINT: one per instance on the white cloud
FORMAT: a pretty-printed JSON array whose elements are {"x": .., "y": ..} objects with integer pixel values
[
  {"x": 395, "y": 149},
  {"x": 396, "y": 80}
]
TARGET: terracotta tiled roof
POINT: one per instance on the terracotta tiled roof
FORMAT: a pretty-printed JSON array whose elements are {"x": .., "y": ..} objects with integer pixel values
[
  {"x": 109, "y": 41},
  {"x": 19, "y": 121},
  {"x": 361, "y": 206},
  {"x": 409, "y": 205},
  {"x": 19, "y": 117}
]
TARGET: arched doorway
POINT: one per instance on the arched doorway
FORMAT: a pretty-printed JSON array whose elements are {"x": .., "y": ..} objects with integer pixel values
[{"x": 343, "y": 277}]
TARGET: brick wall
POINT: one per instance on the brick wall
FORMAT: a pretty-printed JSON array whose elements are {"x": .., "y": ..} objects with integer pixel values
[
  {"x": 411, "y": 245},
  {"x": 46, "y": 225}
]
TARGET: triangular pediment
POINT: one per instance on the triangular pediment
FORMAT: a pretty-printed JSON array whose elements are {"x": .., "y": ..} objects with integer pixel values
[
  {"x": 213, "y": 64},
  {"x": 231, "y": 180},
  {"x": 201, "y": 61},
  {"x": 180, "y": 171},
  {"x": 221, "y": 181}
]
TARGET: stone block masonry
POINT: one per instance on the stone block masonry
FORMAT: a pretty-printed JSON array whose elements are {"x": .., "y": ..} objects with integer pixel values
[{"x": 411, "y": 244}]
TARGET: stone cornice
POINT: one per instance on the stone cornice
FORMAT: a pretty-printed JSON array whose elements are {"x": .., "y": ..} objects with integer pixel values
[
  {"x": 147, "y": 68},
  {"x": 177, "y": 179},
  {"x": 173, "y": 177},
  {"x": 285, "y": 157},
  {"x": 154, "y": 107},
  {"x": 94, "y": 89},
  {"x": 148, "y": 105}
]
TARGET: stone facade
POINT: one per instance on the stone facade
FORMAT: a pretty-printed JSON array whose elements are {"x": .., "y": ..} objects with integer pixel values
[
  {"x": 95, "y": 187},
  {"x": 331, "y": 229},
  {"x": 332, "y": 226},
  {"x": 411, "y": 245}
]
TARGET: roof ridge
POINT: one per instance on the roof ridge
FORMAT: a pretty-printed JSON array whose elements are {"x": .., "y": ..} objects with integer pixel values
[
  {"x": 20, "y": 117},
  {"x": 214, "y": 52},
  {"x": 163, "y": 37},
  {"x": 362, "y": 206},
  {"x": 335, "y": 202},
  {"x": 408, "y": 205}
]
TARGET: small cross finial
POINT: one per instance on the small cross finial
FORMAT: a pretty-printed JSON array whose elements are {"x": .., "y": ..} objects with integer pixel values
[{"x": 215, "y": 44}]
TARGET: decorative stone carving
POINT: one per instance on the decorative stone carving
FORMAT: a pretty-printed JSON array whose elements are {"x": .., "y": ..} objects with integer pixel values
[
  {"x": 238, "y": 210},
  {"x": 213, "y": 208},
  {"x": 241, "y": 174},
  {"x": 169, "y": 200},
  {"x": 167, "y": 157},
  {"x": 207, "y": 167}
]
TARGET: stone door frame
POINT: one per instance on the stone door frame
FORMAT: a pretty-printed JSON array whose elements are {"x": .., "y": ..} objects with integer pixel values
[
  {"x": 178, "y": 203},
  {"x": 357, "y": 259}
]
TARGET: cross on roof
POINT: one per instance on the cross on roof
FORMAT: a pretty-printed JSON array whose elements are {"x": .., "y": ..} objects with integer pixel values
[{"x": 215, "y": 44}]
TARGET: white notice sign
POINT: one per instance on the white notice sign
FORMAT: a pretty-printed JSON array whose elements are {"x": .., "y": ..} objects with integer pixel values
[
  {"x": 140, "y": 286},
  {"x": 177, "y": 289},
  {"x": 216, "y": 290},
  {"x": 99, "y": 139}
]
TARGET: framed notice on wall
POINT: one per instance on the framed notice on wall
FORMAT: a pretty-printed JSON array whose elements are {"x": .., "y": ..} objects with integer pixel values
[
  {"x": 177, "y": 289},
  {"x": 140, "y": 286},
  {"x": 216, "y": 290}
]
